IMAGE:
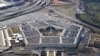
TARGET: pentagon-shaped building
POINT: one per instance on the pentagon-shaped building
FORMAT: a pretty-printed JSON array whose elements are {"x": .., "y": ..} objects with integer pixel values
[{"x": 41, "y": 35}]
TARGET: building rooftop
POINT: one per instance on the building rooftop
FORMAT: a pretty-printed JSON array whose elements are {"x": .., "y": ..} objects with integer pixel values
[
  {"x": 51, "y": 33},
  {"x": 94, "y": 40},
  {"x": 2, "y": 42},
  {"x": 10, "y": 36}
]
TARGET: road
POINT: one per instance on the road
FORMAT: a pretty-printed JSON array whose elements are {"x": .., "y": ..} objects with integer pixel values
[
  {"x": 74, "y": 20},
  {"x": 28, "y": 7},
  {"x": 34, "y": 5}
]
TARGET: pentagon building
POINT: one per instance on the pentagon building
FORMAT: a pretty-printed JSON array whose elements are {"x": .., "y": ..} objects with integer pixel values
[{"x": 41, "y": 35}]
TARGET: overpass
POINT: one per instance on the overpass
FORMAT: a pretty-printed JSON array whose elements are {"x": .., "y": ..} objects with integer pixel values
[
  {"x": 34, "y": 5},
  {"x": 29, "y": 6}
]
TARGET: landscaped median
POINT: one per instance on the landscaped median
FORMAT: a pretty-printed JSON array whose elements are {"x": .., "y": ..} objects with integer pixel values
[{"x": 87, "y": 19}]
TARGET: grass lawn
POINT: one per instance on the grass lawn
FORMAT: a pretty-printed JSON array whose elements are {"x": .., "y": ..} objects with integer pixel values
[
  {"x": 92, "y": 15},
  {"x": 87, "y": 18}
]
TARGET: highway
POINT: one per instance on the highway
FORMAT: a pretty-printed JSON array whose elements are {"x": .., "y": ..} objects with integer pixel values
[
  {"x": 30, "y": 6},
  {"x": 34, "y": 5},
  {"x": 73, "y": 19}
]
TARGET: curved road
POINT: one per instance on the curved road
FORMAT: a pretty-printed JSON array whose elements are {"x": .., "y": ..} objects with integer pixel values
[
  {"x": 29, "y": 6},
  {"x": 33, "y": 5}
]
